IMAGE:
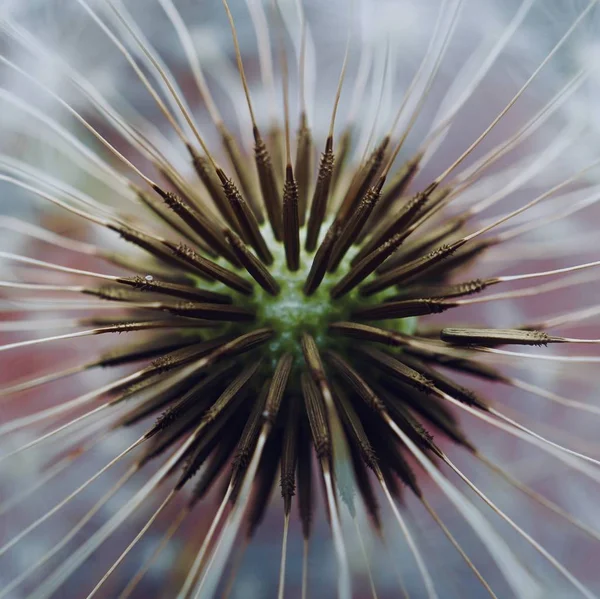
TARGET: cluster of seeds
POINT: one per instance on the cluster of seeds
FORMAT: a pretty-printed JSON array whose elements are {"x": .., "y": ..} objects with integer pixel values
[{"x": 280, "y": 311}]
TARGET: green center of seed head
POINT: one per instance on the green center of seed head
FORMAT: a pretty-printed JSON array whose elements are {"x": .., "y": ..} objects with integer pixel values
[{"x": 292, "y": 313}]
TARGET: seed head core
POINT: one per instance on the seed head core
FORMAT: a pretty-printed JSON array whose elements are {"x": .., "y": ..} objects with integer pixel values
[{"x": 292, "y": 312}]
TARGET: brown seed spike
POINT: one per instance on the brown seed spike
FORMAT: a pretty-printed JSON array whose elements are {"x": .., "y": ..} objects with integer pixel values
[
  {"x": 164, "y": 364},
  {"x": 493, "y": 337},
  {"x": 403, "y": 309},
  {"x": 289, "y": 455},
  {"x": 245, "y": 342},
  {"x": 355, "y": 428},
  {"x": 366, "y": 266},
  {"x": 321, "y": 260},
  {"x": 419, "y": 435},
  {"x": 114, "y": 294},
  {"x": 317, "y": 418},
  {"x": 268, "y": 184},
  {"x": 128, "y": 327},
  {"x": 164, "y": 398},
  {"x": 239, "y": 345},
  {"x": 312, "y": 358},
  {"x": 188, "y": 292},
  {"x": 214, "y": 430},
  {"x": 304, "y": 166},
  {"x": 316, "y": 370},
  {"x": 249, "y": 436},
  {"x": 277, "y": 387},
  {"x": 433, "y": 409},
  {"x": 397, "y": 369},
  {"x": 291, "y": 222},
  {"x": 414, "y": 429},
  {"x": 211, "y": 312},
  {"x": 461, "y": 258},
  {"x": 305, "y": 482},
  {"x": 163, "y": 213},
  {"x": 232, "y": 390},
  {"x": 424, "y": 243},
  {"x": 207, "y": 354},
  {"x": 245, "y": 177},
  {"x": 354, "y": 225},
  {"x": 358, "y": 385},
  {"x": 363, "y": 180},
  {"x": 265, "y": 481},
  {"x": 367, "y": 492},
  {"x": 133, "y": 262},
  {"x": 198, "y": 223},
  {"x": 209, "y": 178},
  {"x": 318, "y": 206},
  {"x": 342, "y": 151},
  {"x": 216, "y": 464},
  {"x": 135, "y": 352},
  {"x": 247, "y": 221},
  {"x": 185, "y": 191},
  {"x": 184, "y": 356},
  {"x": 405, "y": 217},
  {"x": 411, "y": 270},
  {"x": 445, "y": 384},
  {"x": 483, "y": 371},
  {"x": 255, "y": 267},
  {"x": 167, "y": 323},
  {"x": 154, "y": 247},
  {"x": 207, "y": 267},
  {"x": 444, "y": 291},
  {"x": 210, "y": 407},
  {"x": 398, "y": 185},
  {"x": 369, "y": 333},
  {"x": 169, "y": 430},
  {"x": 276, "y": 143}
]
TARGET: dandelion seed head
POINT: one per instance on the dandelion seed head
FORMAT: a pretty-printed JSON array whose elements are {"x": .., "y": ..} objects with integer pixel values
[{"x": 346, "y": 252}]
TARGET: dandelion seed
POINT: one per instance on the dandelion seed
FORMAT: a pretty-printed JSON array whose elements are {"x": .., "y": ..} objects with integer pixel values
[{"x": 329, "y": 331}]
